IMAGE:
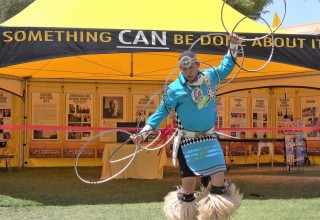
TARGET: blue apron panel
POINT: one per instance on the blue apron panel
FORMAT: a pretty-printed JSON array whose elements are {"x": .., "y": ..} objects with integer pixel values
[{"x": 205, "y": 158}]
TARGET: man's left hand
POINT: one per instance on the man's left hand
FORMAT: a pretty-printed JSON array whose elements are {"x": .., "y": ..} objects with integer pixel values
[{"x": 234, "y": 38}]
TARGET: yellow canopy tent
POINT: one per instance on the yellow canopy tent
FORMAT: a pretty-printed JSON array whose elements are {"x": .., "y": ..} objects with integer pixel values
[{"x": 136, "y": 40}]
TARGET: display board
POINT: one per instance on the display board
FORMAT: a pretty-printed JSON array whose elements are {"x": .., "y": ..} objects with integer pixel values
[{"x": 295, "y": 145}]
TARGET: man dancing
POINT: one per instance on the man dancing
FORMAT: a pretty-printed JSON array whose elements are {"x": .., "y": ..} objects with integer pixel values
[{"x": 192, "y": 96}]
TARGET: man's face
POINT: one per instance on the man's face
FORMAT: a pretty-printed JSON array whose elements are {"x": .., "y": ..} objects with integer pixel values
[
  {"x": 114, "y": 105},
  {"x": 191, "y": 72}
]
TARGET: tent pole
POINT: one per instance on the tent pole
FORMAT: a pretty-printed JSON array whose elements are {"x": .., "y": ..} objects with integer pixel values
[
  {"x": 131, "y": 66},
  {"x": 286, "y": 101},
  {"x": 20, "y": 156},
  {"x": 25, "y": 95}
]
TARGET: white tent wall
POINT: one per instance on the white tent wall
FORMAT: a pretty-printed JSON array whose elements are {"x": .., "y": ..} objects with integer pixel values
[
  {"x": 15, "y": 104},
  {"x": 129, "y": 89},
  {"x": 293, "y": 80},
  {"x": 22, "y": 139},
  {"x": 12, "y": 84},
  {"x": 63, "y": 147}
]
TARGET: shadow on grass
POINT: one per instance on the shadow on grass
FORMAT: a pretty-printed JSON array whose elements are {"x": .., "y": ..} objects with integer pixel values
[
  {"x": 276, "y": 183},
  {"x": 61, "y": 186}
]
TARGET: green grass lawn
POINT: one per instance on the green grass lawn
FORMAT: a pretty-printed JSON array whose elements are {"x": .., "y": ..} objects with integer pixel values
[{"x": 57, "y": 193}]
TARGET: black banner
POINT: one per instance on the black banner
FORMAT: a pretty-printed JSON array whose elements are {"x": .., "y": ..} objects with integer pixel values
[{"x": 19, "y": 45}]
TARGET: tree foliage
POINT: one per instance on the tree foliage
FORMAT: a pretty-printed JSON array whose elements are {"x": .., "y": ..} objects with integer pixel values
[
  {"x": 252, "y": 8},
  {"x": 9, "y": 8}
]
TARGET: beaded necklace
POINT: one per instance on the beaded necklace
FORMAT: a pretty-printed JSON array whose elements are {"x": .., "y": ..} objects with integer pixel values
[{"x": 197, "y": 93}]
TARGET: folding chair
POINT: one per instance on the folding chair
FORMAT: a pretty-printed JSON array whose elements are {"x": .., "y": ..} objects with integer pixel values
[
  {"x": 270, "y": 145},
  {"x": 5, "y": 154}
]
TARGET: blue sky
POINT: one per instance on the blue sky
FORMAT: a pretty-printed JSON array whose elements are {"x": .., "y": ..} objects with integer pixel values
[{"x": 297, "y": 12}]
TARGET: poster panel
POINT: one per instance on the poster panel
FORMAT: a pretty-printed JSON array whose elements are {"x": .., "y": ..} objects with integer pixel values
[
  {"x": 260, "y": 116},
  {"x": 310, "y": 113},
  {"x": 45, "y": 112},
  {"x": 5, "y": 114},
  {"x": 79, "y": 113},
  {"x": 238, "y": 115},
  {"x": 144, "y": 106},
  {"x": 283, "y": 107},
  {"x": 112, "y": 110},
  {"x": 221, "y": 109}
]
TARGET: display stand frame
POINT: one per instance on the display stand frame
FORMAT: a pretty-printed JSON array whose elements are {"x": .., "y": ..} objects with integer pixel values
[{"x": 295, "y": 148}]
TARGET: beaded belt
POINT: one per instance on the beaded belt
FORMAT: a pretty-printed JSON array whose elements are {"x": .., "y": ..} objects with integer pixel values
[{"x": 193, "y": 134}]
